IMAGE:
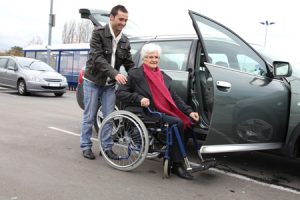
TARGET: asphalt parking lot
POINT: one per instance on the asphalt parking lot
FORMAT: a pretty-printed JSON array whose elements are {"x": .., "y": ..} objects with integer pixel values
[{"x": 41, "y": 159}]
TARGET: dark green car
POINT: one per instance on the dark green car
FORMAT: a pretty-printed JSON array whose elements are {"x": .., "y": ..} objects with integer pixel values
[{"x": 247, "y": 100}]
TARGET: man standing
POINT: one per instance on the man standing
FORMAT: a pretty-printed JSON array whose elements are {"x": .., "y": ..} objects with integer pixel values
[{"x": 109, "y": 49}]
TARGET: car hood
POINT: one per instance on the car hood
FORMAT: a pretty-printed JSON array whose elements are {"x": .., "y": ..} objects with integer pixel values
[{"x": 44, "y": 74}]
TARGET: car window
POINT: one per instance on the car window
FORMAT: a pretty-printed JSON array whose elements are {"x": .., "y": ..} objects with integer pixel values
[
  {"x": 174, "y": 55},
  {"x": 3, "y": 62},
  {"x": 11, "y": 63},
  {"x": 250, "y": 65},
  {"x": 219, "y": 59},
  {"x": 135, "y": 47},
  {"x": 236, "y": 54}
]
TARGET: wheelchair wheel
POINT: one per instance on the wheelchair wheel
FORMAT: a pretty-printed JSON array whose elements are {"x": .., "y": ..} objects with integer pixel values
[
  {"x": 130, "y": 140},
  {"x": 167, "y": 168}
]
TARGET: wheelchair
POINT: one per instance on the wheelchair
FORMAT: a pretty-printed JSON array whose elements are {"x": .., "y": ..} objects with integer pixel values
[{"x": 139, "y": 133}]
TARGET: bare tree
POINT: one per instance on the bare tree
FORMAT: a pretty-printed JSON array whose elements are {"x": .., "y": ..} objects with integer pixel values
[
  {"x": 77, "y": 32},
  {"x": 69, "y": 32},
  {"x": 35, "y": 40},
  {"x": 85, "y": 29}
]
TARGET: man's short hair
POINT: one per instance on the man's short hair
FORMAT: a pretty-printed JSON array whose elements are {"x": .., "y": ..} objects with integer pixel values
[{"x": 114, "y": 10}]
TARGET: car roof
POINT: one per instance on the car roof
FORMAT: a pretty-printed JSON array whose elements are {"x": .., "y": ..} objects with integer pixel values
[{"x": 163, "y": 37}]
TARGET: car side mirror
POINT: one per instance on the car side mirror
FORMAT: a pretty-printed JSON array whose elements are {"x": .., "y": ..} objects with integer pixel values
[{"x": 282, "y": 69}]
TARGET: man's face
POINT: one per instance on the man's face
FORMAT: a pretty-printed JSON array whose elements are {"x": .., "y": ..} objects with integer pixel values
[{"x": 119, "y": 21}]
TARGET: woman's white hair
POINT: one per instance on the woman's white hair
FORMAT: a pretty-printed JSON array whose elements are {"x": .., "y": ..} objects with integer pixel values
[{"x": 150, "y": 48}]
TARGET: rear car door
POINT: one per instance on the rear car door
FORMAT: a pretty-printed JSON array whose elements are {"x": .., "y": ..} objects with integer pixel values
[{"x": 248, "y": 109}]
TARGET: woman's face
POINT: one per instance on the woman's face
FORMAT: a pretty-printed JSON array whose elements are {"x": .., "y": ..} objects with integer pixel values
[{"x": 152, "y": 59}]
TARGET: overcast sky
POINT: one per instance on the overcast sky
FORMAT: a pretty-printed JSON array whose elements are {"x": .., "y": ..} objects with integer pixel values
[{"x": 21, "y": 20}]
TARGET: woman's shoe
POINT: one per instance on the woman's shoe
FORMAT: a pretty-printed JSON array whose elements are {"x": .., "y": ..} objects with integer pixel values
[{"x": 180, "y": 171}]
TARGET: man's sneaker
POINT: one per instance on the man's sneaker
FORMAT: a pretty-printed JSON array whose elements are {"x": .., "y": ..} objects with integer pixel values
[{"x": 88, "y": 154}]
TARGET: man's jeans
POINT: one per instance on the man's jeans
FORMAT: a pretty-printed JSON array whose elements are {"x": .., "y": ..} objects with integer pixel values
[{"x": 92, "y": 94}]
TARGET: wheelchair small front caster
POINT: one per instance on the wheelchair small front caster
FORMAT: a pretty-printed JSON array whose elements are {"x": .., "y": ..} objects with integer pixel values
[{"x": 167, "y": 168}]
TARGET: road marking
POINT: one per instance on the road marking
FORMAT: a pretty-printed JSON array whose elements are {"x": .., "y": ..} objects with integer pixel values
[
  {"x": 242, "y": 177},
  {"x": 68, "y": 132},
  {"x": 238, "y": 176}
]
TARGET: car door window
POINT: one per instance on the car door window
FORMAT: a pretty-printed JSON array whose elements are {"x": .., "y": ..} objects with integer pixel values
[
  {"x": 135, "y": 48},
  {"x": 219, "y": 59},
  {"x": 3, "y": 62},
  {"x": 226, "y": 49},
  {"x": 250, "y": 65},
  {"x": 11, "y": 63},
  {"x": 174, "y": 55}
]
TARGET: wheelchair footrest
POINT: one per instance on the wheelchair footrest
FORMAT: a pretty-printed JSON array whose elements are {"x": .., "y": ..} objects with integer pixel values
[{"x": 203, "y": 165}]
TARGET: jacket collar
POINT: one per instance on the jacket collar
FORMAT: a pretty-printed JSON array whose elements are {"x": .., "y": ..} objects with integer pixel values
[{"x": 109, "y": 35}]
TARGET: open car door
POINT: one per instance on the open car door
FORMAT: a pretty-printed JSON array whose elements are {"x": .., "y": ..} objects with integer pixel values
[{"x": 246, "y": 108}]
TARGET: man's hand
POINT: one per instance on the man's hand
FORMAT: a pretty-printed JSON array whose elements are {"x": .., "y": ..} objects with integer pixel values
[
  {"x": 194, "y": 116},
  {"x": 145, "y": 102},
  {"x": 121, "y": 79}
]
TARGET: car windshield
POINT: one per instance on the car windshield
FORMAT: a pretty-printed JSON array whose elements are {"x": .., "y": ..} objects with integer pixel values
[
  {"x": 34, "y": 64},
  {"x": 40, "y": 66}
]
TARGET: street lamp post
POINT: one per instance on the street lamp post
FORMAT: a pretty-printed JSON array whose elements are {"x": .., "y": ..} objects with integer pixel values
[
  {"x": 51, "y": 24},
  {"x": 266, "y": 23}
]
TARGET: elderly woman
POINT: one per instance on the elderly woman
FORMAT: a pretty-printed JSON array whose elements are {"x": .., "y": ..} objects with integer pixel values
[{"x": 150, "y": 87}]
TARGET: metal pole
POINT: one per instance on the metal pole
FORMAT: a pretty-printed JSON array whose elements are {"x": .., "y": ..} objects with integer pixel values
[
  {"x": 51, "y": 24},
  {"x": 266, "y": 23},
  {"x": 266, "y": 34}
]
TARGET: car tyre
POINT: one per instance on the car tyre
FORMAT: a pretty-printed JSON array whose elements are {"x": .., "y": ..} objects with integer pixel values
[{"x": 22, "y": 89}]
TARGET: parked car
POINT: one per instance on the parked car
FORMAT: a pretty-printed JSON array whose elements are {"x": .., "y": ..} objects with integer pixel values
[
  {"x": 247, "y": 99},
  {"x": 29, "y": 75}
]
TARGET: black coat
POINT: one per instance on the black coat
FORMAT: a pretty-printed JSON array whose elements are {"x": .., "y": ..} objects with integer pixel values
[
  {"x": 98, "y": 65},
  {"x": 137, "y": 87}
]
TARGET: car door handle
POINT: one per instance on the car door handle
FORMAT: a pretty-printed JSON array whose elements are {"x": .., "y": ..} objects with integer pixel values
[{"x": 223, "y": 84}]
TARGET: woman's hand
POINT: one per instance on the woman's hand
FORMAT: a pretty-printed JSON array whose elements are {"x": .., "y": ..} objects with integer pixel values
[
  {"x": 145, "y": 102},
  {"x": 194, "y": 116}
]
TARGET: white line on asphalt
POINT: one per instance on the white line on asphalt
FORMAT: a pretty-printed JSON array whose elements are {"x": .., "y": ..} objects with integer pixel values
[
  {"x": 68, "y": 132},
  {"x": 211, "y": 169},
  {"x": 242, "y": 177}
]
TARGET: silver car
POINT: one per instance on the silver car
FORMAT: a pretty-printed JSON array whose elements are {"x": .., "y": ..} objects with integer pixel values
[{"x": 29, "y": 75}]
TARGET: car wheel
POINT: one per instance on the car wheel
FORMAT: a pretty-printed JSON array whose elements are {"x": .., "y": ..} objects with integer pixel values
[
  {"x": 252, "y": 129},
  {"x": 99, "y": 118},
  {"x": 58, "y": 94},
  {"x": 22, "y": 90}
]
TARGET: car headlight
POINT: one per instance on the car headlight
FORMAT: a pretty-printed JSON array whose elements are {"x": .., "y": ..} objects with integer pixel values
[
  {"x": 35, "y": 79},
  {"x": 64, "y": 79}
]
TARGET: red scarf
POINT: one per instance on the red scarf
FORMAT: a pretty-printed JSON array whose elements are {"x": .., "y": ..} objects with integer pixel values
[{"x": 162, "y": 99}]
